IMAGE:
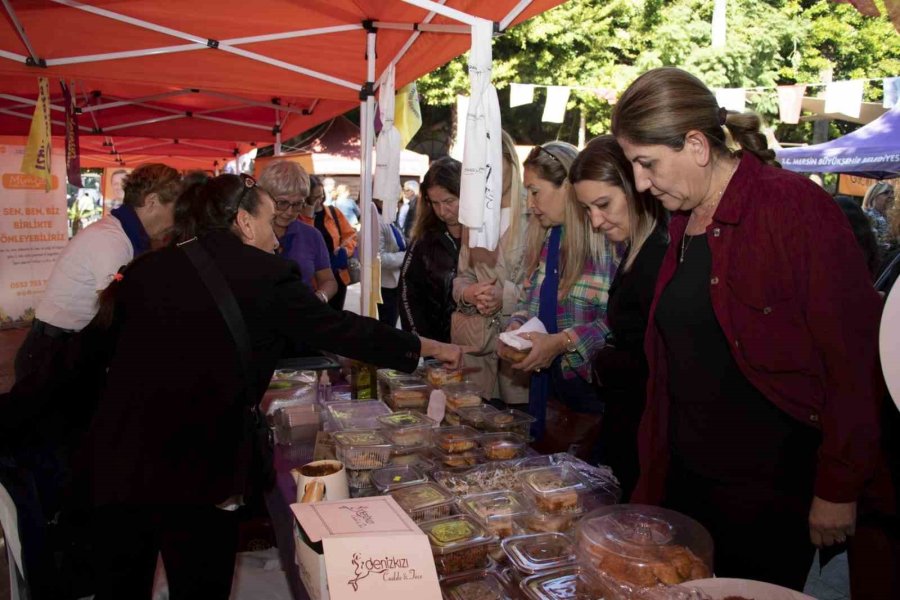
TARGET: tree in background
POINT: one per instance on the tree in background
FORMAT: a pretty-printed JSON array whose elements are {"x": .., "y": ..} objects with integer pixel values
[{"x": 607, "y": 43}]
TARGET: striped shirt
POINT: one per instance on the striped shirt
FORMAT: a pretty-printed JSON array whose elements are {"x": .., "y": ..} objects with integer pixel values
[{"x": 581, "y": 313}]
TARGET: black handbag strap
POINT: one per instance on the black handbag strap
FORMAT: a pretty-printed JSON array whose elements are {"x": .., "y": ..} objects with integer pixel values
[{"x": 228, "y": 307}]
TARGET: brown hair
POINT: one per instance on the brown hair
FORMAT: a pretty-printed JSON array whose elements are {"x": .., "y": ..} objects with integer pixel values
[
  {"x": 445, "y": 172},
  {"x": 663, "y": 105},
  {"x": 152, "y": 178},
  {"x": 603, "y": 160}
]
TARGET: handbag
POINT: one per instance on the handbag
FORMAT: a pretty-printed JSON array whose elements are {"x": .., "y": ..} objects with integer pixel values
[
  {"x": 353, "y": 264},
  {"x": 474, "y": 329},
  {"x": 262, "y": 465}
]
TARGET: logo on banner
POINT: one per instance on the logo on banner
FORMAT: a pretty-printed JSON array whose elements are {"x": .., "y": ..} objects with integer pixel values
[{"x": 36, "y": 160}]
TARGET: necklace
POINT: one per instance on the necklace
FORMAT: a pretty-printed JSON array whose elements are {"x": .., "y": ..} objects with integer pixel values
[{"x": 685, "y": 242}]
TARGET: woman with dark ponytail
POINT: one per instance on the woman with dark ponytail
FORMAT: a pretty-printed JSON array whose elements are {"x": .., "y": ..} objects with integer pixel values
[{"x": 761, "y": 418}]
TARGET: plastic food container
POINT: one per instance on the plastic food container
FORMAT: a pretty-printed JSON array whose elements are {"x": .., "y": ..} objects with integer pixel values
[
  {"x": 424, "y": 501},
  {"x": 384, "y": 377},
  {"x": 536, "y": 521},
  {"x": 452, "y": 419},
  {"x": 390, "y": 478},
  {"x": 454, "y": 440},
  {"x": 363, "y": 492},
  {"x": 474, "y": 416},
  {"x": 569, "y": 583},
  {"x": 491, "y": 477},
  {"x": 407, "y": 428},
  {"x": 483, "y": 584},
  {"x": 641, "y": 546},
  {"x": 538, "y": 552},
  {"x": 459, "y": 543},
  {"x": 554, "y": 490},
  {"x": 461, "y": 394},
  {"x": 497, "y": 510},
  {"x": 437, "y": 375},
  {"x": 419, "y": 456},
  {"x": 360, "y": 479},
  {"x": 502, "y": 446},
  {"x": 348, "y": 416},
  {"x": 457, "y": 460},
  {"x": 362, "y": 449},
  {"x": 511, "y": 421},
  {"x": 297, "y": 424},
  {"x": 408, "y": 392}
]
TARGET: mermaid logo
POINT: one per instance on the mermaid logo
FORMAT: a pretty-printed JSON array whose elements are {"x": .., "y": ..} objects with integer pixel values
[{"x": 364, "y": 568}]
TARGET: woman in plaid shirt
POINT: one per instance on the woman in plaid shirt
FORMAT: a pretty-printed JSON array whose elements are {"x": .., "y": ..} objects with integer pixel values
[{"x": 568, "y": 274}]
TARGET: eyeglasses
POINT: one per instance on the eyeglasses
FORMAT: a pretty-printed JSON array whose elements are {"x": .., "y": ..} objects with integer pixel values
[{"x": 285, "y": 205}]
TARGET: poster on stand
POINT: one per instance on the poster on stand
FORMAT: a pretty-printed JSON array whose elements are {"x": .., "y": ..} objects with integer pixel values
[
  {"x": 113, "y": 188},
  {"x": 33, "y": 232}
]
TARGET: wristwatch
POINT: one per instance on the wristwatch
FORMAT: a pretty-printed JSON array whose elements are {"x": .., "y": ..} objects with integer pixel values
[{"x": 570, "y": 345}]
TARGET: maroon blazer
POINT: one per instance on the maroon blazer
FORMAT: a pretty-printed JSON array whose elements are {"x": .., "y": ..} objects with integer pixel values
[{"x": 793, "y": 296}]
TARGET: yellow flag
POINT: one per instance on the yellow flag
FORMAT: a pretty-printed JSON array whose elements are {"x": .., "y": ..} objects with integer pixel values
[
  {"x": 36, "y": 160},
  {"x": 407, "y": 115}
]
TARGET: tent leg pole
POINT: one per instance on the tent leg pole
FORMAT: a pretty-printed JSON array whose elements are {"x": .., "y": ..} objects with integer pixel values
[
  {"x": 367, "y": 131},
  {"x": 278, "y": 144}
]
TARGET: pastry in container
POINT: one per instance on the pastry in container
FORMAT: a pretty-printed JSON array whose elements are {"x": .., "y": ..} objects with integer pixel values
[
  {"x": 408, "y": 392},
  {"x": 454, "y": 440},
  {"x": 497, "y": 510},
  {"x": 457, "y": 460},
  {"x": 384, "y": 377},
  {"x": 406, "y": 428},
  {"x": 348, "y": 416},
  {"x": 502, "y": 446},
  {"x": 461, "y": 394},
  {"x": 555, "y": 489},
  {"x": 511, "y": 421},
  {"x": 362, "y": 449},
  {"x": 390, "y": 478},
  {"x": 482, "y": 584},
  {"x": 536, "y": 521},
  {"x": 437, "y": 375},
  {"x": 538, "y": 552},
  {"x": 359, "y": 478},
  {"x": 639, "y": 546},
  {"x": 452, "y": 419},
  {"x": 459, "y": 543},
  {"x": 475, "y": 416},
  {"x": 419, "y": 456},
  {"x": 362, "y": 492},
  {"x": 567, "y": 583},
  {"x": 424, "y": 501}
]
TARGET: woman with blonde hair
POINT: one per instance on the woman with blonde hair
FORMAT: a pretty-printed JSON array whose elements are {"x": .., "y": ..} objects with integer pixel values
[
  {"x": 761, "y": 418},
  {"x": 876, "y": 203},
  {"x": 488, "y": 286},
  {"x": 567, "y": 276}
]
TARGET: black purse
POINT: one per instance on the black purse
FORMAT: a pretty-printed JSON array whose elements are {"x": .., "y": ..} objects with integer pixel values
[{"x": 262, "y": 467}]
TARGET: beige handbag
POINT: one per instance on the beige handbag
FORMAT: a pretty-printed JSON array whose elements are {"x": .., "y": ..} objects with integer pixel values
[{"x": 474, "y": 329}]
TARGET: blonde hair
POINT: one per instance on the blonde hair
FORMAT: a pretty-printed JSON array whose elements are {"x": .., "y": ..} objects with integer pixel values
[
  {"x": 517, "y": 196},
  {"x": 663, "y": 105},
  {"x": 603, "y": 160},
  {"x": 875, "y": 190},
  {"x": 551, "y": 162},
  {"x": 284, "y": 178}
]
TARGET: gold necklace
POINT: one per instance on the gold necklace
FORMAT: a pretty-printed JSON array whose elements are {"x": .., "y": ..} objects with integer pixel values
[{"x": 684, "y": 241}]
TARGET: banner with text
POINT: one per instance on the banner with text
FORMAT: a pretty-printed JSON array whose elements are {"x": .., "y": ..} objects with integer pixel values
[{"x": 33, "y": 231}]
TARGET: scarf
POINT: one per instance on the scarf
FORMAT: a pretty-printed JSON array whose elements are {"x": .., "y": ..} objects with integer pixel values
[
  {"x": 540, "y": 382},
  {"x": 133, "y": 228}
]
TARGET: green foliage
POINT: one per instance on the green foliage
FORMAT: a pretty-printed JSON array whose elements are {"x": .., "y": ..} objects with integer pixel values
[{"x": 607, "y": 43}]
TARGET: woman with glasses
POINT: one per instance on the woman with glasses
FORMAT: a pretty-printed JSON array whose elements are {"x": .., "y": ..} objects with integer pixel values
[
  {"x": 174, "y": 448},
  {"x": 567, "y": 277},
  {"x": 288, "y": 185},
  {"x": 426, "y": 277}
]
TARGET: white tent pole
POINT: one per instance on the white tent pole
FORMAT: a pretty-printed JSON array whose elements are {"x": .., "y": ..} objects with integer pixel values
[
  {"x": 409, "y": 42},
  {"x": 55, "y": 107},
  {"x": 233, "y": 122},
  {"x": 426, "y": 27},
  {"x": 515, "y": 12},
  {"x": 21, "y": 31},
  {"x": 118, "y": 103},
  {"x": 249, "y": 102},
  {"x": 19, "y": 58},
  {"x": 456, "y": 15},
  {"x": 277, "y": 133},
  {"x": 367, "y": 131},
  {"x": 12, "y": 113},
  {"x": 144, "y": 122}
]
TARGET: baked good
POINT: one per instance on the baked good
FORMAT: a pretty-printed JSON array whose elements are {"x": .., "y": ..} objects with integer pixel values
[
  {"x": 553, "y": 490},
  {"x": 516, "y": 356},
  {"x": 668, "y": 565}
]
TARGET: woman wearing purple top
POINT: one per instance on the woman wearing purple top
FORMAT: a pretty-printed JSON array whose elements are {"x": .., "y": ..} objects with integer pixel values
[{"x": 288, "y": 184}]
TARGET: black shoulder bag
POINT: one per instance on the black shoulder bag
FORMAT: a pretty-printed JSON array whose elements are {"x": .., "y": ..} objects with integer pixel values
[{"x": 262, "y": 467}]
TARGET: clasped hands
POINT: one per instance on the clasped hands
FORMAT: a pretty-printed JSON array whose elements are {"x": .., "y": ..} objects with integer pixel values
[{"x": 485, "y": 297}]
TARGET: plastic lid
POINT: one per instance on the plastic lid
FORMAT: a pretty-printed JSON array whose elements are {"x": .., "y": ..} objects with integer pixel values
[
  {"x": 483, "y": 478},
  {"x": 455, "y": 439},
  {"x": 350, "y": 439},
  {"x": 568, "y": 583},
  {"x": 551, "y": 480},
  {"x": 407, "y": 382},
  {"x": 493, "y": 505},
  {"x": 480, "y": 585},
  {"x": 423, "y": 495},
  {"x": 474, "y": 416},
  {"x": 357, "y": 415},
  {"x": 457, "y": 460},
  {"x": 451, "y": 534},
  {"x": 388, "y": 374},
  {"x": 502, "y": 445},
  {"x": 645, "y": 545},
  {"x": 389, "y": 478},
  {"x": 405, "y": 419},
  {"x": 504, "y": 419},
  {"x": 539, "y": 551}
]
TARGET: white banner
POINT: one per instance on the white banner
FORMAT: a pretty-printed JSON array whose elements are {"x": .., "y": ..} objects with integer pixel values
[
  {"x": 844, "y": 97},
  {"x": 33, "y": 231},
  {"x": 734, "y": 99},
  {"x": 555, "y": 108},
  {"x": 520, "y": 94}
]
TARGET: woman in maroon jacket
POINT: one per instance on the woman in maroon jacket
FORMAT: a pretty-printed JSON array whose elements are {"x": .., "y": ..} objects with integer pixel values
[{"x": 761, "y": 417}]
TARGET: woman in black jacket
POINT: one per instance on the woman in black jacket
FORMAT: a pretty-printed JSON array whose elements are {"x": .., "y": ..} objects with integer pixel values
[
  {"x": 172, "y": 449},
  {"x": 426, "y": 277},
  {"x": 603, "y": 181}
]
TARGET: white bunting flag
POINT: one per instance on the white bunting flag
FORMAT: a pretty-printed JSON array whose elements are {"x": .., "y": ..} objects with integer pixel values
[
  {"x": 520, "y": 94},
  {"x": 555, "y": 109},
  {"x": 790, "y": 101},
  {"x": 733, "y": 99},
  {"x": 844, "y": 97}
]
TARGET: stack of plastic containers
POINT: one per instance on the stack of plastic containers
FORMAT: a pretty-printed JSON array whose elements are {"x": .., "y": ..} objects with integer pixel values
[
  {"x": 459, "y": 544},
  {"x": 361, "y": 451},
  {"x": 456, "y": 447}
]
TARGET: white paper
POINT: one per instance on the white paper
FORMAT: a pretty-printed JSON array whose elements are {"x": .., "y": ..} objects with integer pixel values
[
  {"x": 555, "y": 108},
  {"x": 437, "y": 406},
  {"x": 386, "y": 186},
  {"x": 520, "y": 94},
  {"x": 844, "y": 97},
  {"x": 511, "y": 338},
  {"x": 790, "y": 101},
  {"x": 732, "y": 98}
]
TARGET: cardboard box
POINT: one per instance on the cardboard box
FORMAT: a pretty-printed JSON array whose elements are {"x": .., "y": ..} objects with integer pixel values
[{"x": 363, "y": 548}]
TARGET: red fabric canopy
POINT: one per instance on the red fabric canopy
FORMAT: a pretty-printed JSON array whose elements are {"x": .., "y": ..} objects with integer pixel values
[{"x": 222, "y": 69}]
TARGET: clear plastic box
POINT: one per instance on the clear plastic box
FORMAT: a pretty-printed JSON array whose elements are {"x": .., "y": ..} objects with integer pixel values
[
  {"x": 536, "y": 521},
  {"x": 491, "y": 477},
  {"x": 386, "y": 479},
  {"x": 568, "y": 583},
  {"x": 297, "y": 424},
  {"x": 502, "y": 446},
  {"x": 408, "y": 392},
  {"x": 419, "y": 456},
  {"x": 461, "y": 394},
  {"x": 459, "y": 543},
  {"x": 642, "y": 546},
  {"x": 406, "y": 428},
  {"x": 537, "y": 552},
  {"x": 454, "y": 440},
  {"x": 511, "y": 420},
  {"x": 457, "y": 460},
  {"x": 474, "y": 416},
  {"x": 424, "y": 501},
  {"x": 437, "y": 375},
  {"x": 497, "y": 510},
  {"x": 360, "y": 478},
  {"x": 384, "y": 377},
  {"x": 349, "y": 416},
  {"x": 554, "y": 490},
  {"x": 483, "y": 584},
  {"x": 362, "y": 449}
]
